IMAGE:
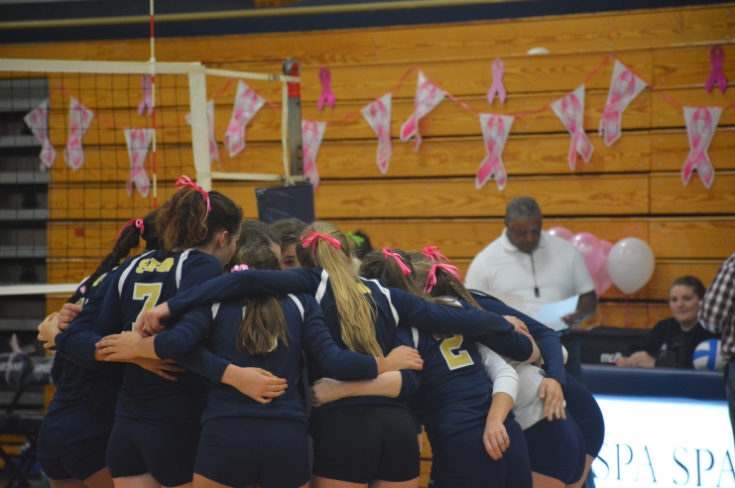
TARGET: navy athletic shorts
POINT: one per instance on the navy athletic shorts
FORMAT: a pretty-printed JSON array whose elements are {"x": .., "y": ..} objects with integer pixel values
[
  {"x": 556, "y": 449},
  {"x": 165, "y": 448},
  {"x": 462, "y": 461},
  {"x": 80, "y": 461},
  {"x": 359, "y": 444},
  {"x": 244, "y": 452},
  {"x": 587, "y": 414}
]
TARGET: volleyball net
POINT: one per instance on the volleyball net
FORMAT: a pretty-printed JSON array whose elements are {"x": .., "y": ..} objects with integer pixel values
[{"x": 87, "y": 146}]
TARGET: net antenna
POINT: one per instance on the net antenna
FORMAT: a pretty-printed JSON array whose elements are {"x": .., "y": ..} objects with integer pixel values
[{"x": 152, "y": 62}]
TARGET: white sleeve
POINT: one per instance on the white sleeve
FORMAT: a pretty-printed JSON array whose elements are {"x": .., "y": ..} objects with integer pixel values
[
  {"x": 503, "y": 377},
  {"x": 477, "y": 275},
  {"x": 582, "y": 280}
]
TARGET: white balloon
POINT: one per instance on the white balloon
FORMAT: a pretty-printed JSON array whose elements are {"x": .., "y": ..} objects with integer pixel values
[{"x": 630, "y": 264}]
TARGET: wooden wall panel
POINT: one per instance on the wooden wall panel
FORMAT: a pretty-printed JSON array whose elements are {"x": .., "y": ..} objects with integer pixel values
[
  {"x": 55, "y": 302},
  {"x": 669, "y": 149},
  {"x": 616, "y": 314},
  {"x": 666, "y": 114},
  {"x": 69, "y": 271},
  {"x": 667, "y": 271},
  {"x": 669, "y": 196},
  {"x": 687, "y": 66},
  {"x": 693, "y": 238}
]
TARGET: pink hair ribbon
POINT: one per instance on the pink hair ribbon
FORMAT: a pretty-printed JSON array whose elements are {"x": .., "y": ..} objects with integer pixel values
[
  {"x": 239, "y": 267},
  {"x": 431, "y": 280},
  {"x": 185, "y": 183},
  {"x": 138, "y": 223},
  {"x": 434, "y": 253},
  {"x": 388, "y": 253},
  {"x": 312, "y": 241}
]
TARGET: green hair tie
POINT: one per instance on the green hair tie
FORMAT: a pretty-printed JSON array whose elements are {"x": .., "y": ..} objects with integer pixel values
[{"x": 358, "y": 240}]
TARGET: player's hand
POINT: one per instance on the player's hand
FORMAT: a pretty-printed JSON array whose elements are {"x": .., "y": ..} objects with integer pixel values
[
  {"x": 518, "y": 325},
  {"x": 495, "y": 438},
  {"x": 68, "y": 313},
  {"x": 151, "y": 322},
  {"x": 551, "y": 392},
  {"x": 258, "y": 384},
  {"x": 159, "y": 367},
  {"x": 642, "y": 359},
  {"x": 119, "y": 347},
  {"x": 324, "y": 391},
  {"x": 48, "y": 330},
  {"x": 402, "y": 357}
]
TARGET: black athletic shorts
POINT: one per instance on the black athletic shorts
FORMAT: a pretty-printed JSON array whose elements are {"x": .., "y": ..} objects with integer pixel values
[
  {"x": 80, "y": 461},
  {"x": 164, "y": 448},
  {"x": 363, "y": 443},
  {"x": 556, "y": 449}
]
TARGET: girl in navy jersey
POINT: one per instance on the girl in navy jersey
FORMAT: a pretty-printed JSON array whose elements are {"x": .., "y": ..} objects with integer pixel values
[
  {"x": 156, "y": 431},
  {"x": 362, "y": 316},
  {"x": 244, "y": 441}
]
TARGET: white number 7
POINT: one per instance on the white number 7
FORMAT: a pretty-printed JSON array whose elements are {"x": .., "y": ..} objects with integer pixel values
[{"x": 150, "y": 292}]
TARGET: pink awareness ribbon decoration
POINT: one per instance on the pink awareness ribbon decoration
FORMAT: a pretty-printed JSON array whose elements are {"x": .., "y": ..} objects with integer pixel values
[
  {"x": 247, "y": 104},
  {"x": 80, "y": 117},
  {"x": 138, "y": 141},
  {"x": 717, "y": 58},
  {"x": 497, "y": 88},
  {"x": 37, "y": 121},
  {"x": 428, "y": 96},
  {"x": 213, "y": 147},
  {"x": 312, "y": 133},
  {"x": 624, "y": 88},
  {"x": 325, "y": 77},
  {"x": 495, "y": 131},
  {"x": 377, "y": 114},
  {"x": 570, "y": 111},
  {"x": 701, "y": 124},
  {"x": 147, "y": 102}
]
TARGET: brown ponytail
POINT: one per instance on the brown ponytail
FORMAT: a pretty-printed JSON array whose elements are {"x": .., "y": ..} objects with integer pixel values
[
  {"x": 264, "y": 324},
  {"x": 447, "y": 285},
  {"x": 375, "y": 266}
]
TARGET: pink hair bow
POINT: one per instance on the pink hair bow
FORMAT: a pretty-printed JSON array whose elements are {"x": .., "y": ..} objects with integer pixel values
[
  {"x": 388, "y": 253},
  {"x": 185, "y": 183},
  {"x": 431, "y": 280},
  {"x": 239, "y": 267},
  {"x": 434, "y": 253},
  {"x": 312, "y": 241},
  {"x": 138, "y": 223}
]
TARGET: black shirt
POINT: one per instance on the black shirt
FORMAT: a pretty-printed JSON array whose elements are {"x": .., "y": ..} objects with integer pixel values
[{"x": 671, "y": 346}]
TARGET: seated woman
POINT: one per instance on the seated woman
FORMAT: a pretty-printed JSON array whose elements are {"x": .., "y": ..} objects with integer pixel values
[{"x": 672, "y": 341}]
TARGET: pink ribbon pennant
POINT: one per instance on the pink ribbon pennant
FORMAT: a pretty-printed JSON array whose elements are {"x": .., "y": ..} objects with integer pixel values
[
  {"x": 717, "y": 58},
  {"x": 377, "y": 114},
  {"x": 80, "y": 117},
  {"x": 325, "y": 77},
  {"x": 570, "y": 111},
  {"x": 147, "y": 102},
  {"x": 495, "y": 131},
  {"x": 312, "y": 133},
  {"x": 138, "y": 141},
  {"x": 701, "y": 124},
  {"x": 428, "y": 96},
  {"x": 497, "y": 88},
  {"x": 37, "y": 121},
  {"x": 213, "y": 147},
  {"x": 624, "y": 88},
  {"x": 247, "y": 104}
]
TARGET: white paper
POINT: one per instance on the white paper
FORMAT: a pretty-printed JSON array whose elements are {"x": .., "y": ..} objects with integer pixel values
[{"x": 551, "y": 313}]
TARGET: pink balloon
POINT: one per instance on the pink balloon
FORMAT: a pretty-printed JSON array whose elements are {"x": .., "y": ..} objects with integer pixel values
[
  {"x": 589, "y": 246},
  {"x": 562, "y": 232},
  {"x": 602, "y": 279},
  {"x": 606, "y": 246}
]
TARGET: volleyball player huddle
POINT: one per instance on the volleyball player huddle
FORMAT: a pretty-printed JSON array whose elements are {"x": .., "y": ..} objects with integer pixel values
[{"x": 173, "y": 373}]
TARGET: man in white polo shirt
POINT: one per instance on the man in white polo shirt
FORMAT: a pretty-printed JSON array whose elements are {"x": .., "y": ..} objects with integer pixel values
[{"x": 539, "y": 268}]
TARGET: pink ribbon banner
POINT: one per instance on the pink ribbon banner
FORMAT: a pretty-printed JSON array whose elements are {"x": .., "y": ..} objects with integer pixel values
[
  {"x": 213, "y": 147},
  {"x": 80, "y": 117},
  {"x": 377, "y": 114},
  {"x": 625, "y": 86},
  {"x": 570, "y": 111},
  {"x": 247, "y": 104},
  {"x": 147, "y": 102},
  {"x": 138, "y": 141},
  {"x": 312, "y": 133},
  {"x": 37, "y": 121},
  {"x": 327, "y": 96},
  {"x": 495, "y": 131},
  {"x": 701, "y": 124},
  {"x": 717, "y": 58},
  {"x": 497, "y": 88},
  {"x": 428, "y": 96}
]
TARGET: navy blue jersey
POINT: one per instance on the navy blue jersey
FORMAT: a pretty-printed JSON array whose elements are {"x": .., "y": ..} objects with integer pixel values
[
  {"x": 138, "y": 285},
  {"x": 306, "y": 329},
  {"x": 546, "y": 339},
  {"x": 83, "y": 406}
]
